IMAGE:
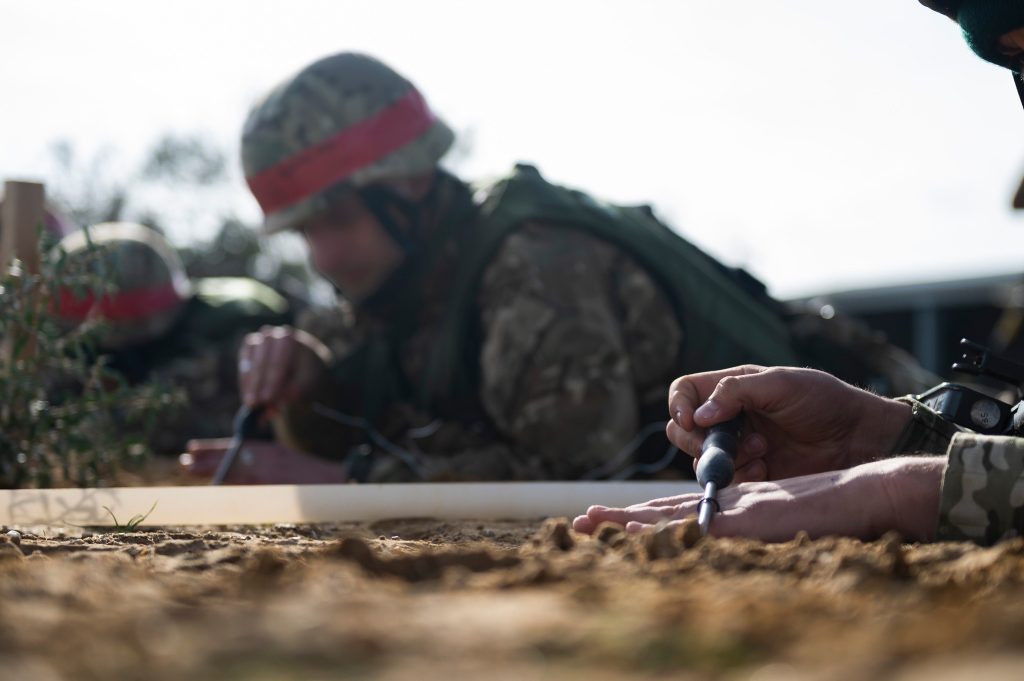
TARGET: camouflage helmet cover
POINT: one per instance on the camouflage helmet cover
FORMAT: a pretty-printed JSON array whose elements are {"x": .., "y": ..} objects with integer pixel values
[
  {"x": 149, "y": 280},
  {"x": 346, "y": 120}
]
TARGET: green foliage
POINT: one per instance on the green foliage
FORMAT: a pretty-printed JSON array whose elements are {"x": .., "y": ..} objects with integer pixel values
[
  {"x": 63, "y": 412},
  {"x": 132, "y": 523}
]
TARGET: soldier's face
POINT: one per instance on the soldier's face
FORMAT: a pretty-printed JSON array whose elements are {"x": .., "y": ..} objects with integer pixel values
[{"x": 348, "y": 246}]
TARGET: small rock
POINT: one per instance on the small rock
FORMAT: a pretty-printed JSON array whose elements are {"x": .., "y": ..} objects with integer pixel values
[
  {"x": 688, "y": 534},
  {"x": 14, "y": 537},
  {"x": 557, "y": 533},
  {"x": 662, "y": 543},
  {"x": 895, "y": 557}
]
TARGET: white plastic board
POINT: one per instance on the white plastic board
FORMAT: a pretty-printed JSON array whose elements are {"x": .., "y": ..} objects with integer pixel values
[{"x": 263, "y": 504}]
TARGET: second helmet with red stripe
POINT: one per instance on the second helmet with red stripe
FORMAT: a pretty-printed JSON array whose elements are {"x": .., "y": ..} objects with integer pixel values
[
  {"x": 147, "y": 287},
  {"x": 344, "y": 121}
]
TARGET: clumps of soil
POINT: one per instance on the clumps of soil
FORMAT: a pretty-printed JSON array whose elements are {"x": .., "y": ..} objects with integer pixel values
[
  {"x": 421, "y": 566},
  {"x": 428, "y": 600},
  {"x": 668, "y": 541},
  {"x": 555, "y": 533}
]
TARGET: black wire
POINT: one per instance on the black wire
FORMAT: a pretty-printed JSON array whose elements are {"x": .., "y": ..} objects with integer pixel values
[
  {"x": 607, "y": 469},
  {"x": 387, "y": 445},
  {"x": 653, "y": 467}
]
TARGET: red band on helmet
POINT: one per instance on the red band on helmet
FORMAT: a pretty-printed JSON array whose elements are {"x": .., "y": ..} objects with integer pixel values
[
  {"x": 331, "y": 161},
  {"x": 121, "y": 307}
]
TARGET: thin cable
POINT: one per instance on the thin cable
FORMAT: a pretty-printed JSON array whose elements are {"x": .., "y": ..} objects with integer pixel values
[
  {"x": 421, "y": 432},
  {"x": 653, "y": 467},
  {"x": 608, "y": 468},
  {"x": 387, "y": 445}
]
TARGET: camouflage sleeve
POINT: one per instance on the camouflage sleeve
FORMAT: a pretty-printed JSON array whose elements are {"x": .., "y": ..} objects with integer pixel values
[
  {"x": 925, "y": 433},
  {"x": 982, "y": 496},
  {"x": 561, "y": 368}
]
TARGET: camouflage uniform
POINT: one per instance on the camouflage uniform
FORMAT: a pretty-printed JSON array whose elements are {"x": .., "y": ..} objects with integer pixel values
[
  {"x": 578, "y": 345},
  {"x": 157, "y": 326},
  {"x": 982, "y": 498},
  {"x": 531, "y": 330},
  {"x": 577, "y": 353}
]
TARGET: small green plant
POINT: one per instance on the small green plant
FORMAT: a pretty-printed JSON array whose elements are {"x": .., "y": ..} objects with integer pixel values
[
  {"x": 66, "y": 418},
  {"x": 132, "y": 523}
]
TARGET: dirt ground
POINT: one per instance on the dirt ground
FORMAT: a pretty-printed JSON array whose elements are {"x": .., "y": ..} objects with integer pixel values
[{"x": 496, "y": 600}]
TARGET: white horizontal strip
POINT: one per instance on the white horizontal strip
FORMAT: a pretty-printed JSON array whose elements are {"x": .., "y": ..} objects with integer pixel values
[{"x": 262, "y": 504}]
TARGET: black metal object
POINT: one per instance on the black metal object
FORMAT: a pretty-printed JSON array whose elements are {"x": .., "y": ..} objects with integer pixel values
[
  {"x": 716, "y": 466},
  {"x": 245, "y": 426},
  {"x": 971, "y": 408}
]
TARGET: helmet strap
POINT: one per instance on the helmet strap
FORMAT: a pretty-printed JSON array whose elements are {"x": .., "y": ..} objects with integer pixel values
[
  {"x": 420, "y": 213},
  {"x": 384, "y": 202}
]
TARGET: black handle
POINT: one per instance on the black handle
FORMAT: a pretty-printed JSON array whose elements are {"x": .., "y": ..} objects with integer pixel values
[
  {"x": 718, "y": 454},
  {"x": 245, "y": 424}
]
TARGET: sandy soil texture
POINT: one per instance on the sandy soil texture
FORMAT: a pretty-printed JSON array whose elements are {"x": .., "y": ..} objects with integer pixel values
[{"x": 489, "y": 600}]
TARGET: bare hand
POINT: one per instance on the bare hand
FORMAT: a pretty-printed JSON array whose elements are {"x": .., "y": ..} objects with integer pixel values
[
  {"x": 279, "y": 364},
  {"x": 798, "y": 421},
  {"x": 260, "y": 463},
  {"x": 864, "y": 502}
]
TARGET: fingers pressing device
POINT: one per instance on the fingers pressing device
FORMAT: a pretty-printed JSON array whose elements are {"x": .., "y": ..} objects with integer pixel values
[{"x": 716, "y": 466}]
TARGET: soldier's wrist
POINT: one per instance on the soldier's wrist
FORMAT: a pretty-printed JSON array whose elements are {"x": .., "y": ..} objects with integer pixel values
[
  {"x": 911, "y": 489},
  {"x": 882, "y": 424}
]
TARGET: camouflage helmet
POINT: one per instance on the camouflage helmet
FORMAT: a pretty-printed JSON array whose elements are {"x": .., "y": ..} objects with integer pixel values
[
  {"x": 346, "y": 120},
  {"x": 149, "y": 282},
  {"x": 55, "y": 223}
]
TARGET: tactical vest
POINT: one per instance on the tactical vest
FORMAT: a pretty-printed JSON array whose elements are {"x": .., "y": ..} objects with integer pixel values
[{"x": 726, "y": 317}]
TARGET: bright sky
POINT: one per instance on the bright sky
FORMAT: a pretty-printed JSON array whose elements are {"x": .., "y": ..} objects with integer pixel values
[{"x": 821, "y": 144}]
